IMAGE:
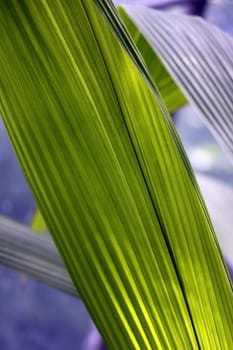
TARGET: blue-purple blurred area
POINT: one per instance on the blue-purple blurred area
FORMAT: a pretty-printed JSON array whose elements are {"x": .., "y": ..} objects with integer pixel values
[
  {"x": 15, "y": 197},
  {"x": 34, "y": 316}
]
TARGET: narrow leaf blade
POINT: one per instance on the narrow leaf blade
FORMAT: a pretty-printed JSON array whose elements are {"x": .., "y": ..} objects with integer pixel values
[
  {"x": 199, "y": 58},
  {"x": 23, "y": 250},
  {"x": 116, "y": 193},
  {"x": 172, "y": 95}
]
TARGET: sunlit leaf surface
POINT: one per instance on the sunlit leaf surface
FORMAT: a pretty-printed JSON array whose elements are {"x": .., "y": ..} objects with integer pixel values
[
  {"x": 171, "y": 93},
  {"x": 38, "y": 223},
  {"x": 117, "y": 194},
  {"x": 199, "y": 58},
  {"x": 21, "y": 249}
]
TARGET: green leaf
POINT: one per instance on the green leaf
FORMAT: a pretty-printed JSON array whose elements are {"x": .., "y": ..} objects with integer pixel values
[
  {"x": 172, "y": 95},
  {"x": 117, "y": 194},
  {"x": 22, "y": 250},
  {"x": 38, "y": 223},
  {"x": 198, "y": 56}
]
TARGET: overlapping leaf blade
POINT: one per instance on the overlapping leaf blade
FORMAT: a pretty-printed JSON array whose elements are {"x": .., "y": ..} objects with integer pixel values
[
  {"x": 23, "y": 250},
  {"x": 199, "y": 58},
  {"x": 38, "y": 223},
  {"x": 121, "y": 203},
  {"x": 171, "y": 93}
]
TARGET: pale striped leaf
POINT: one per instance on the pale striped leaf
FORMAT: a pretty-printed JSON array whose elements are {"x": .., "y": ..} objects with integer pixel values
[
  {"x": 199, "y": 58},
  {"x": 23, "y": 250}
]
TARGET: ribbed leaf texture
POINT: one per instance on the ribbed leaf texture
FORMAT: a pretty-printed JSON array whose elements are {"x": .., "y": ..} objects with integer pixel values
[
  {"x": 23, "y": 250},
  {"x": 199, "y": 58},
  {"x": 172, "y": 95},
  {"x": 117, "y": 194}
]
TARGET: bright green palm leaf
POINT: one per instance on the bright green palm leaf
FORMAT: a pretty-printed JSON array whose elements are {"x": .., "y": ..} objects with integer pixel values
[
  {"x": 38, "y": 223},
  {"x": 199, "y": 58},
  {"x": 118, "y": 198},
  {"x": 22, "y": 250},
  {"x": 172, "y": 95}
]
